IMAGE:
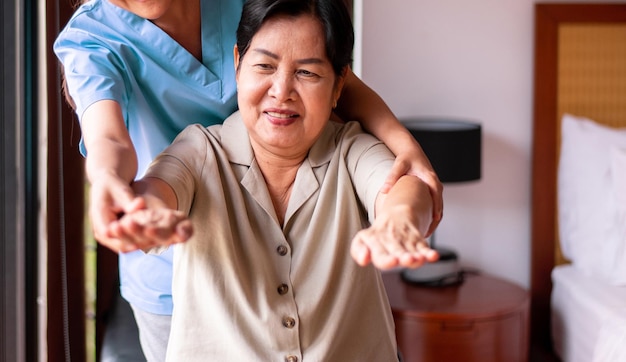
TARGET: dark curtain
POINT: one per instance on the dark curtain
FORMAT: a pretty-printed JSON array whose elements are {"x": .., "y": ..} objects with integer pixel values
[
  {"x": 18, "y": 182},
  {"x": 65, "y": 186}
]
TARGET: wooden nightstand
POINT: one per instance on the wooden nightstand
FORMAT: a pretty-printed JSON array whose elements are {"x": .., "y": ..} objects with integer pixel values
[{"x": 483, "y": 319}]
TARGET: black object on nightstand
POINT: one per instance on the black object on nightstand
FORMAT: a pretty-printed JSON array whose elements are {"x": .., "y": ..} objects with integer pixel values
[{"x": 454, "y": 150}]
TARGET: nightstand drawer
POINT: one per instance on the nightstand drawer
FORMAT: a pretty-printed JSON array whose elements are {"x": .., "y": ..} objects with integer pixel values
[
  {"x": 462, "y": 340},
  {"x": 482, "y": 319}
]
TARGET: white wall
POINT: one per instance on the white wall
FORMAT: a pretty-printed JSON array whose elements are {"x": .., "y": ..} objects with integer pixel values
[{"x": 468, "y": 60}]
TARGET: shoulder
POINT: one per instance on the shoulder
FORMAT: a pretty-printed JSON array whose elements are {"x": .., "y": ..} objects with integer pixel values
[
  {"x": 200, "y": 140},
  {"x": 197, "y": 134},
  {"x": 352, "y": 136},
  {"x": 192, "y": 148},
  {"x": 90, "y": 15},
  {"x": 97, "y": 21},
  {"x": 346, "y": 140}
]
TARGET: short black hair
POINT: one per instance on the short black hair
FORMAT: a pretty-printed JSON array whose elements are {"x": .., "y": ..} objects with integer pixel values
[{"x": 332, "y": 14}]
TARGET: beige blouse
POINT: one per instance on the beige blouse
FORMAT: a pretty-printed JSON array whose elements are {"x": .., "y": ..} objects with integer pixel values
[{"x": 244, "y": 288}]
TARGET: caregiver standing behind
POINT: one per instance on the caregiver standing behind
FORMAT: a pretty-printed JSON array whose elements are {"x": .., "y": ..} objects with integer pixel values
[
  {"x": 138, "y": 72},
  {"x": 270, "y": 207}
]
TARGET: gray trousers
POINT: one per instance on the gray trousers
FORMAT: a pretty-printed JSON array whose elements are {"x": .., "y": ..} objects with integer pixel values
[{"x": 154, "y": 332}]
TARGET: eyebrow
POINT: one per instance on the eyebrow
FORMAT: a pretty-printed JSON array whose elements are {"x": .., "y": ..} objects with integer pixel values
[{"x": 275, "y": 56}]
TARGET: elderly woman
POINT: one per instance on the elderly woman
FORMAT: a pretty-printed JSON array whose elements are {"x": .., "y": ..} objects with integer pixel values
[{"x": 271, "y": 206}]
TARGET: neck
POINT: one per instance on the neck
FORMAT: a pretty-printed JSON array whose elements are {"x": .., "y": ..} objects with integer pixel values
[
  {"x": 280, "y": 175},
  {"x": 182, "y": 22}
]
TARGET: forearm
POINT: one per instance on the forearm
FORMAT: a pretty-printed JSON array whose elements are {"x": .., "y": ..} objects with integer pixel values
[
  {"x": 108, "y": 158},
  {"x": 110, "y": 151},
  {"x": 409, "y": 195},
  {"x": 156, "y": 192}
]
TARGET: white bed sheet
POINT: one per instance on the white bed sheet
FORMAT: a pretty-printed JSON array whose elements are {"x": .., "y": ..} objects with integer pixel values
[{"x": 588, "y": 317}]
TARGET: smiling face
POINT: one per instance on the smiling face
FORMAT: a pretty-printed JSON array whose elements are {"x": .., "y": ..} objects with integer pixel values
[{"x": 286, "y": 85}]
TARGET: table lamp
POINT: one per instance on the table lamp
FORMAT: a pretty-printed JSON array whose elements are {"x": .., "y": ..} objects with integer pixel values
[{"x": 454, "y": 150}]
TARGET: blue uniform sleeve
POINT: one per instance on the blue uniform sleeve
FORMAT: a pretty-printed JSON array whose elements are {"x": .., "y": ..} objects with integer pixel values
[{"x": 93, "y": 71}]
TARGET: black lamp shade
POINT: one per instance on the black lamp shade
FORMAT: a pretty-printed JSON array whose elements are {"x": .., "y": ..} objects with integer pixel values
[{"x": 453, "y": 147}]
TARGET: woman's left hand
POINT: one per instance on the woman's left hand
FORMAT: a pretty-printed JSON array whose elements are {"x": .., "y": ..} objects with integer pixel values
[{"x": 392, "y": 241}]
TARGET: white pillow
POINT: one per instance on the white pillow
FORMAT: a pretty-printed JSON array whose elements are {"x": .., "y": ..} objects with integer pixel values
[
  {"x": 618, "y": 171},
  {"x": 590, "y": 231}
]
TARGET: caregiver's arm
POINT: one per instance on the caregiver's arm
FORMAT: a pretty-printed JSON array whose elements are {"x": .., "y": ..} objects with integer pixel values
[
  {"x": 360, "y": 103},
  {"x": 397, "y": 235},
  {"x": 111, "y": 165}
]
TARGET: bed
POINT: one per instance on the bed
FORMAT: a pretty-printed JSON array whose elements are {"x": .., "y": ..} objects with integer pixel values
[{"x": 578, "y": 288}]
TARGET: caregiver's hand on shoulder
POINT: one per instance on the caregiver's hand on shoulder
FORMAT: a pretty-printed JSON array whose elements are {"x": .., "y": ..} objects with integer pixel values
[
  {"x": 392, "y": 241},
  {"x": 149, "y": 228}
]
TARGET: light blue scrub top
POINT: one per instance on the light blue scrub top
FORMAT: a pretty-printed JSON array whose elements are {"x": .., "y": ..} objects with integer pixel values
[{"x": 110, "y": 53}]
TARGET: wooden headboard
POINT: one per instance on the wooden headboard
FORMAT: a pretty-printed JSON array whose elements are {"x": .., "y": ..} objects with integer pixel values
[{"x": 580, "y": 68}]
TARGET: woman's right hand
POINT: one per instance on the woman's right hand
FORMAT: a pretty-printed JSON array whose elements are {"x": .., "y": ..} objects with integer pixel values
[
  {"x": 153, "y": 228},
  {"x": 110, "y": 198}
]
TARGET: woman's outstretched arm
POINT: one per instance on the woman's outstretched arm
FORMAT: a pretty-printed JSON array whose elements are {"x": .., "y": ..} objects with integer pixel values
[
  {"x": 397, "y": 237},
  {"x": 360, "y": 103}
]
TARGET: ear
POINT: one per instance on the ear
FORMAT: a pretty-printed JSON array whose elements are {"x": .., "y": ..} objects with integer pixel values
[
  {"x": 236, "y": 57},
  {"x": 340, "y": 82}
]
